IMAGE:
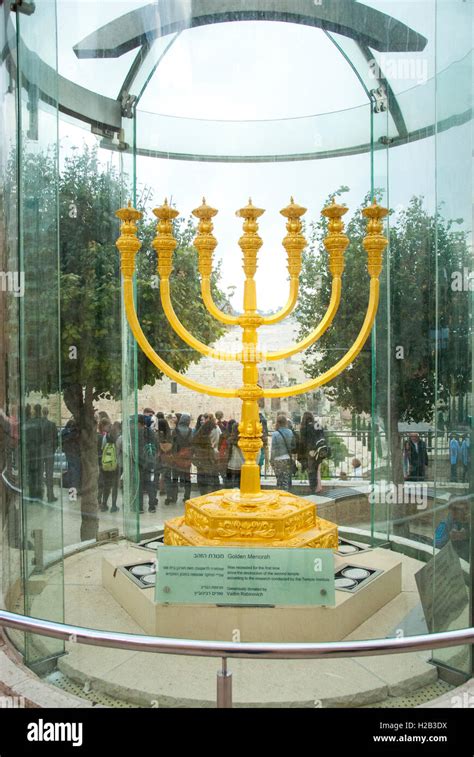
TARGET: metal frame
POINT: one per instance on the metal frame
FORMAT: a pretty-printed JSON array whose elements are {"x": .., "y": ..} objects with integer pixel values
[
  {"x": 356, "y": 20},
  {"x": 226, "y": 650},
  {"x": 368, "y": 27},
  {"x": 140, "y": 28}
]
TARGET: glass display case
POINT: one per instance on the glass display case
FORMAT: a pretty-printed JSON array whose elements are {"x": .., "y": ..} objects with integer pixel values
[{"x": 322, "y": 102}]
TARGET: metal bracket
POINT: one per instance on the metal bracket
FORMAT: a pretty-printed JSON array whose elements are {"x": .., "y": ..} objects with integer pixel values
[
  {"x": 21, "y": 6},
  {"x": 122, "y": 145},
  {"x": 103, "y": 132},
  {"x": 379, "y": 99},
  {"x": 128, "y": 104},
  {"x": 111, "y": 140}
]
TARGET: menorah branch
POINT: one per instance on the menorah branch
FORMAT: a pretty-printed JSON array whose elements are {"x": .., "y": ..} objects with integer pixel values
[
  {"x": 316, "y": 333},
  {"x": 294, "y": 244},
  {"x": 286, "y": 310},
  {"x": 345, "y": 361},
  {"x": 185, "y": 335},
  {"x": 128, "y": 245},
  {"x": 219, "y": 315},
  {"x": 157, "y": 361},
  {"x": 205, "y": 243},
  {"x": 336, "y": 243}
]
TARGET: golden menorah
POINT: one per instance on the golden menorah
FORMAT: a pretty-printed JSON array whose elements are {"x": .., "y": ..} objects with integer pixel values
[{"x": 250, "y": 516}]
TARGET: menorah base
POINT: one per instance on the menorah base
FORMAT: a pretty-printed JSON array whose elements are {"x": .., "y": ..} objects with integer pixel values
[{"x": 268, "y": 519}]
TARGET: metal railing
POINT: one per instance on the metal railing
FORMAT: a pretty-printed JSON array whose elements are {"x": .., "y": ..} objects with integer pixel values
[{"x": 226, "y": 650}]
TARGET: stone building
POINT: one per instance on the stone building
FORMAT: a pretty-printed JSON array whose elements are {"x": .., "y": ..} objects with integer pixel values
[{"x": 168, "y": 396}]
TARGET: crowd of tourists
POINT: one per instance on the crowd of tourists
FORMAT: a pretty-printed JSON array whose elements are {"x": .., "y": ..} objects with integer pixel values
[{"x": 168, "y": 448}]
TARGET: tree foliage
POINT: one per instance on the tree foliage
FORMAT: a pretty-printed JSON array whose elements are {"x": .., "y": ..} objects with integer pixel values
[
  {"x": 88, "y": 193},
  {"x": 90, "y": 283},
  {"x": 422, "y": 323}
]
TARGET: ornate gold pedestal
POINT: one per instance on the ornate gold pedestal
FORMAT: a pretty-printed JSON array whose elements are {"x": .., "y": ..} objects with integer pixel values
[{"x": 268, "y": 519}]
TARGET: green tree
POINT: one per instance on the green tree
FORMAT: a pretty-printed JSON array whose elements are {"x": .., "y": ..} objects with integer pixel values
[
  {"x": 430, "y": 330},
  {"x": 339, "y": 451},
  {"x": 90, "y": 300}
]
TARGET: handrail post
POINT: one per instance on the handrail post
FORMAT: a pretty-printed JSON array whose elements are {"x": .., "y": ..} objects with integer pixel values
[{"x": 224, "y": 687}]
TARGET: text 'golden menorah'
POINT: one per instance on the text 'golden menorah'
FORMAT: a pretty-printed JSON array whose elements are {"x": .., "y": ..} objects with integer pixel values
[{"x": 250, "y": 516}]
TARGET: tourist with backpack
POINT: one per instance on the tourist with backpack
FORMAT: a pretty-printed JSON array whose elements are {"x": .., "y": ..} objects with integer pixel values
[
  {"x": 205, "y": 458},
  {"x": 313, "y": 449},
  {"x": 283, "y": 446},
  {"x": 147, "y": 452},
  {"x": 165, "y": 458},
  {"x": 182, "y": 454},
  {"x": 235, "y": 458},
  {"x": 110, "y": 471}
]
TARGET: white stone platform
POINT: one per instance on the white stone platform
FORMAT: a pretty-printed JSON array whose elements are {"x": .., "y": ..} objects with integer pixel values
[
  {"x": 272, "y": 624},
  {"x": 174, "y": 681}
]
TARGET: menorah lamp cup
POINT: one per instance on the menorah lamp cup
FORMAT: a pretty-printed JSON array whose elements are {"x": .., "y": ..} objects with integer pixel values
[{"x": 249, "y": 516}]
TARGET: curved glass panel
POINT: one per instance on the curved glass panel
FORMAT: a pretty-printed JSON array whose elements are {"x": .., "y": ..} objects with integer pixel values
[
  {"x": 30, "y": 408},
  {"x": 249, "y": 81},
  {"x": 104, "y": 76},
  {"x": 352, "y": 102},
  {"x": 160, "y": 135}
]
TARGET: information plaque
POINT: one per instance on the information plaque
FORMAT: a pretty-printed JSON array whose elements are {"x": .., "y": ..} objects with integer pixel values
[
  {"x": 442, "y": 590},
  {"x": 243, "y": 576}
]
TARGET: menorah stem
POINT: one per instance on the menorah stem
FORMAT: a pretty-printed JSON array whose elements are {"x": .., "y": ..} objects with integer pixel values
[
  {"x": 250, "y": 446},
  {"x": 250, "y": 441},
  {"x": 250, "y": 428}
]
